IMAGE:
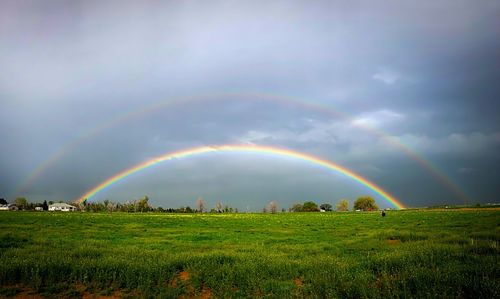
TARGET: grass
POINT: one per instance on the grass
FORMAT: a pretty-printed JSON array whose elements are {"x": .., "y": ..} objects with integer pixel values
[{"x": 313, "y": 255}]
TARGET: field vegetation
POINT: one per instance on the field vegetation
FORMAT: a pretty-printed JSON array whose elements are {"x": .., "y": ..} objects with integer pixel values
[{"x": 413, "y": 253}]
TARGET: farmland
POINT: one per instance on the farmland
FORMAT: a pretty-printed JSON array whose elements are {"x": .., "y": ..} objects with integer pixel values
[{"x": 445, "y": 253}]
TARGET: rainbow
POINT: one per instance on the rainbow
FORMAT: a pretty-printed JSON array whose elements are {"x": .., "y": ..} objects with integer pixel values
[
  {"x": 241, "y": 148},
  {"x": 432, "y": 169}
]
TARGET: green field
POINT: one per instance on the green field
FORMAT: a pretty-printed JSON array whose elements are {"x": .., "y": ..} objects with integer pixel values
[{"x": 313, "y": 255}]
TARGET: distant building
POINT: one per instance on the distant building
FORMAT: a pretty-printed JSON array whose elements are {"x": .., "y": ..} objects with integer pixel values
[
  {"x": 38, "y": 209},
  {"x": 8, "y": 207},
  {"x": 62, "y": 207}
]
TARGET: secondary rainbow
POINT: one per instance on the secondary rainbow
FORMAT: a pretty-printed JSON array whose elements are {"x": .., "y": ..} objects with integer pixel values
[
  {"x": 242, "y": 148},
  {"x": 286, "y": 100}
]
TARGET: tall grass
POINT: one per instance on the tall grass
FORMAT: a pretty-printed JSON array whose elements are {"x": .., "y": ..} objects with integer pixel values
[{"x": 312, "y": 255}]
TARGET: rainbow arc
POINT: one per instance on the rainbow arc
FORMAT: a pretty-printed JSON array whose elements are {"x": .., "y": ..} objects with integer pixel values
[
  {"x": 394, "y": 142},
  {"x": 242, "y": 148}
]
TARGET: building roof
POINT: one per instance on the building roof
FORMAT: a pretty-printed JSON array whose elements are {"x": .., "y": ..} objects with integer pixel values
[{"x": 61, "y": 205}]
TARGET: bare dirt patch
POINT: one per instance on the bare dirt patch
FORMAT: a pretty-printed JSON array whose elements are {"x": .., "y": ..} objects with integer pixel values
[
  {"x": 183, "y": 280},
  {"x": 298, "y": 282},
  {"x": 116, "y": 294},
  {"x": 206, "y": 293},
  {"x": 27, "y": 294},
  {"x": 19, "y": 292},
  {"x": 184, "y": 276},
  {"x": 393, "y": 241}
]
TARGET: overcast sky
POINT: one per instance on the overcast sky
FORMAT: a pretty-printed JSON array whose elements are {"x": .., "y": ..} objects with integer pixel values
[{"x": 426, "y": 73}]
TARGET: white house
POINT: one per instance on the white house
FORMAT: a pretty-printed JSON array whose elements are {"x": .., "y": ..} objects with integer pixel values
[
  {"x": 61, "y": 207},
  {"x": 8, "y": 207}
]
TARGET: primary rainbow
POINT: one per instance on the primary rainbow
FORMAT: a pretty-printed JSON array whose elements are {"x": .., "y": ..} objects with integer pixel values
[{"x": 242, "y": 148}]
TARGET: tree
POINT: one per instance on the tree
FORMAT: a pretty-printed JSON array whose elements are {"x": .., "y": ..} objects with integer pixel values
[
  {"x": 297, "y": 208},
  {"x": 310, "y": 206},
  {"x": 31, "y": 206},
  {"x": 273, "y": 207},
  {"x": 200, "y": 203},
  {"x": 110, "y": 206},
  {"x": 143, "y": 204},
  {"x": 342, "y": 205},
  {"x": 326, "y": 207},
  {"x": 365, "y": 203},
  {"x": 45, "y": 206},
  {"x": 227, "y": 209},
  {"x": 218, "y": 207},
  {"x": 21, "y": 203},
  {"x": 106, "y": 204},
  {"x": 3, "y": 201}
]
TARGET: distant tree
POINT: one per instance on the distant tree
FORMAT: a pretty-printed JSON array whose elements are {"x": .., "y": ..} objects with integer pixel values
[
  {"x": 218, "y": 207},
  {"x": 106, "y": 204},
  {"x": 365, "y": 203},
  {"x": 273, "y": 207},
  {"x": 326, "y": 207},
  {"x": 200, "y": 203},
  {"x": 21, "y": 203},
  {"x": 126, "y": 207},
  {"x": 264, "y": 210},
  {"x": 110, "y": 206},
  {"x": 45, "y": 206},
  {"x": 297, "y": 208},
  {"x": 143, "y": 204},
  {"x": 283, "y": 210},
  {"x": 3, "y": 201},
  {"x": 342, "y": 205},
  {"x": 227, "y": 209},
  {"x": 94, "y": 207},
  {"x": 310, "y": 206}
]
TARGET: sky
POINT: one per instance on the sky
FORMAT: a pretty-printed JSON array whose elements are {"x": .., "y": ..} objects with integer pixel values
[{"x": 404, "y": 93}]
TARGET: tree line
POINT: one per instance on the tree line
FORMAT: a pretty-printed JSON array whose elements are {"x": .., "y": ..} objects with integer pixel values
[
  {"x": 22, "y": 203},
  {"x": 363, "y": 203}
]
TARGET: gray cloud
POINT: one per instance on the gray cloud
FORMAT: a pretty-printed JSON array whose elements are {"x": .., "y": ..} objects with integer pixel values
[{"x": 431, "y": 85}]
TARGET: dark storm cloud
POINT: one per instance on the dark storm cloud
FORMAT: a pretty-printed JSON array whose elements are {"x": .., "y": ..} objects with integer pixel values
[{"x": 424, "y": 73}]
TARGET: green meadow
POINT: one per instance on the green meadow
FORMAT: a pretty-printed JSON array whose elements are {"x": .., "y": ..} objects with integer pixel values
[{"x": 442, "y": 253}]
